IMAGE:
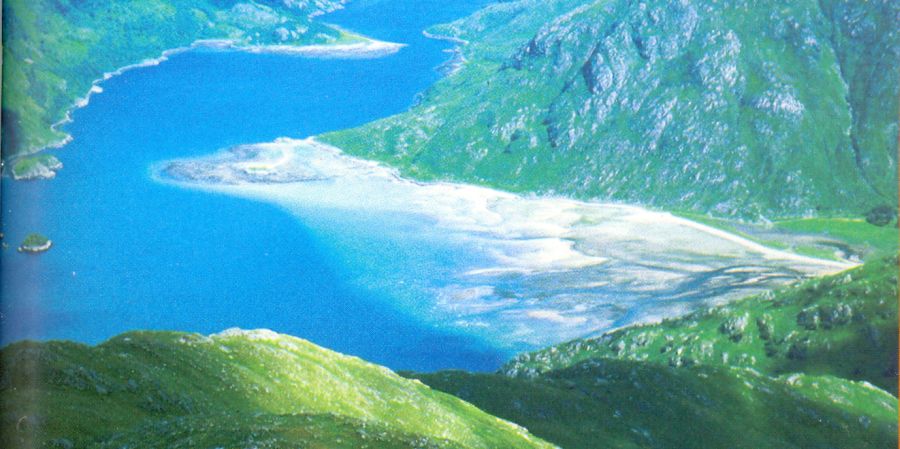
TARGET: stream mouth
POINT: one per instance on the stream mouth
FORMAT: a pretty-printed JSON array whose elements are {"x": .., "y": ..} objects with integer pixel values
[{"x": 522, "y": 272}]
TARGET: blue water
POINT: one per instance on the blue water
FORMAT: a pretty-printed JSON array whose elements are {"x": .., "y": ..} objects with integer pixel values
[{"x": 130, "y": 253}]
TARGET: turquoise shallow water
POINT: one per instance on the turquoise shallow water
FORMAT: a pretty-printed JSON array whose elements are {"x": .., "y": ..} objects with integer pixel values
[
  {"x": 180, "y": 208},
  {"x": 130, "y": 253}
]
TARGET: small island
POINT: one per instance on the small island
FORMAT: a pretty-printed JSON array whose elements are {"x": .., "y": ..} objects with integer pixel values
[
  {"x": 35, "y": 243},
  {"x": 42, "y": 166}
]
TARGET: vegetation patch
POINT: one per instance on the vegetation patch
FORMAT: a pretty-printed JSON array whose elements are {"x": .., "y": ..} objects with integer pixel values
[
  {"x": 811, "y": 365},
  {"x": 54, "y": 50},
  {"x": 843, "y": 326},
  {"x": 35, "y": 243},
  {"x": 235, "y": 389},
  {"x": 742, "y": 109}
]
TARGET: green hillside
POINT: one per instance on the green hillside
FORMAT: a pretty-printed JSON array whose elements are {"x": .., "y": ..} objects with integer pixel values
[
  {"x": 53, "y": 50},
  {"x": 742, "y": 109},
  {"x": 630, "y": 404},
  {"x": 235, "y": 389},
  {"x": 794, "y": 368},
  {"x": 843, "y": 325}
]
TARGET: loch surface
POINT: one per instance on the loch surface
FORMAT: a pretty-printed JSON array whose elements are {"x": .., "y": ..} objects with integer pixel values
[
  {"x": 132, "y": 253},
  {"x": 192, "y": 199}
]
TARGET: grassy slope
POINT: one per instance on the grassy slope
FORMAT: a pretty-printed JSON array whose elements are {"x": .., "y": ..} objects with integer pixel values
[
  {"x": 629, "y": 404},
  {"x": 54, "y": 49},
  {"x": 666, "y": 385},
  {"x": 874, "y": 241},
  {"x": 740, "y": 109},
  {"x": 237, "y": 389},
  {"x": 770, "y": 371},
  {"x": 826, "y": 238},
  {"x": 843, "y": 325}
]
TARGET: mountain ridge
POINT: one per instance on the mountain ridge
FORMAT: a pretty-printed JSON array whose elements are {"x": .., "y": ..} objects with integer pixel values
[
  {"x": 276, "y": 390},
  {"x": 739, "y": 110}
]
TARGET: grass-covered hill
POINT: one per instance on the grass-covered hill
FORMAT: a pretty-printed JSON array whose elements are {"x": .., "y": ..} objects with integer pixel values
[
  {"x": 737, "y": 108},
  {"x": 54, "y": 49},
  {"x": 235, "y": 389},
  {"x": 794, "y": 368},
  {"x": 843, "y": 325},
  {"x": 629, "y": 404},
  {"x": 811, "y": 365}
]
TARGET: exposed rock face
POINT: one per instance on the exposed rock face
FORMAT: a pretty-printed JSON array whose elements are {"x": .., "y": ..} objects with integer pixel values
[{"x": 736, "y": 108}]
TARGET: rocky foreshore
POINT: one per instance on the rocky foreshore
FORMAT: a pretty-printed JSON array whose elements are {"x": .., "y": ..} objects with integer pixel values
[
  {"x": 36, "y": 167},
  {"x": 34, "y": 244},
  {"x": 30, "y": 249}
]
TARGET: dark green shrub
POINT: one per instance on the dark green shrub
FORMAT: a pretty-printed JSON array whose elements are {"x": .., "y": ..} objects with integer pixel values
[{"x": 882, "y": 215}]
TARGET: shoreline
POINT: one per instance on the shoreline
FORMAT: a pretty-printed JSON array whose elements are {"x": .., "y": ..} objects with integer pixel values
[
  {"x": 658, "y": 216},
  {"x": 368, "y": 48},
  {"x": 443, "y": 37},
  {"x": 457, "y": 59},
  {"x": 599, "y": 255},
  {"x": 25, "y": 249},
  {"x": 766, "y": 251}
]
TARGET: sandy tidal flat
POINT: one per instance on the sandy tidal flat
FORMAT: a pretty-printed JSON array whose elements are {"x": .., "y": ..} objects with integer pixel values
[{"x": 520, "y": 271}]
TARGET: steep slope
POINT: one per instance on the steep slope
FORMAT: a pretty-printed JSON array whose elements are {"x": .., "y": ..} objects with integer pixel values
[
  {"x": 868, "y": 61},
  {"x": 631, "y": 404},
  {"x": 742, "y": 109},
  {"x": 233, "y": 389},
  {"x": 843, "y": 325},
  {"x": 54, "y": 49}
]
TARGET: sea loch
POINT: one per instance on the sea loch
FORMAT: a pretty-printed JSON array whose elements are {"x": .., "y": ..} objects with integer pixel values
[
  {"x": 131, "y": 253},
  {"x": 149, "y": 234}
]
